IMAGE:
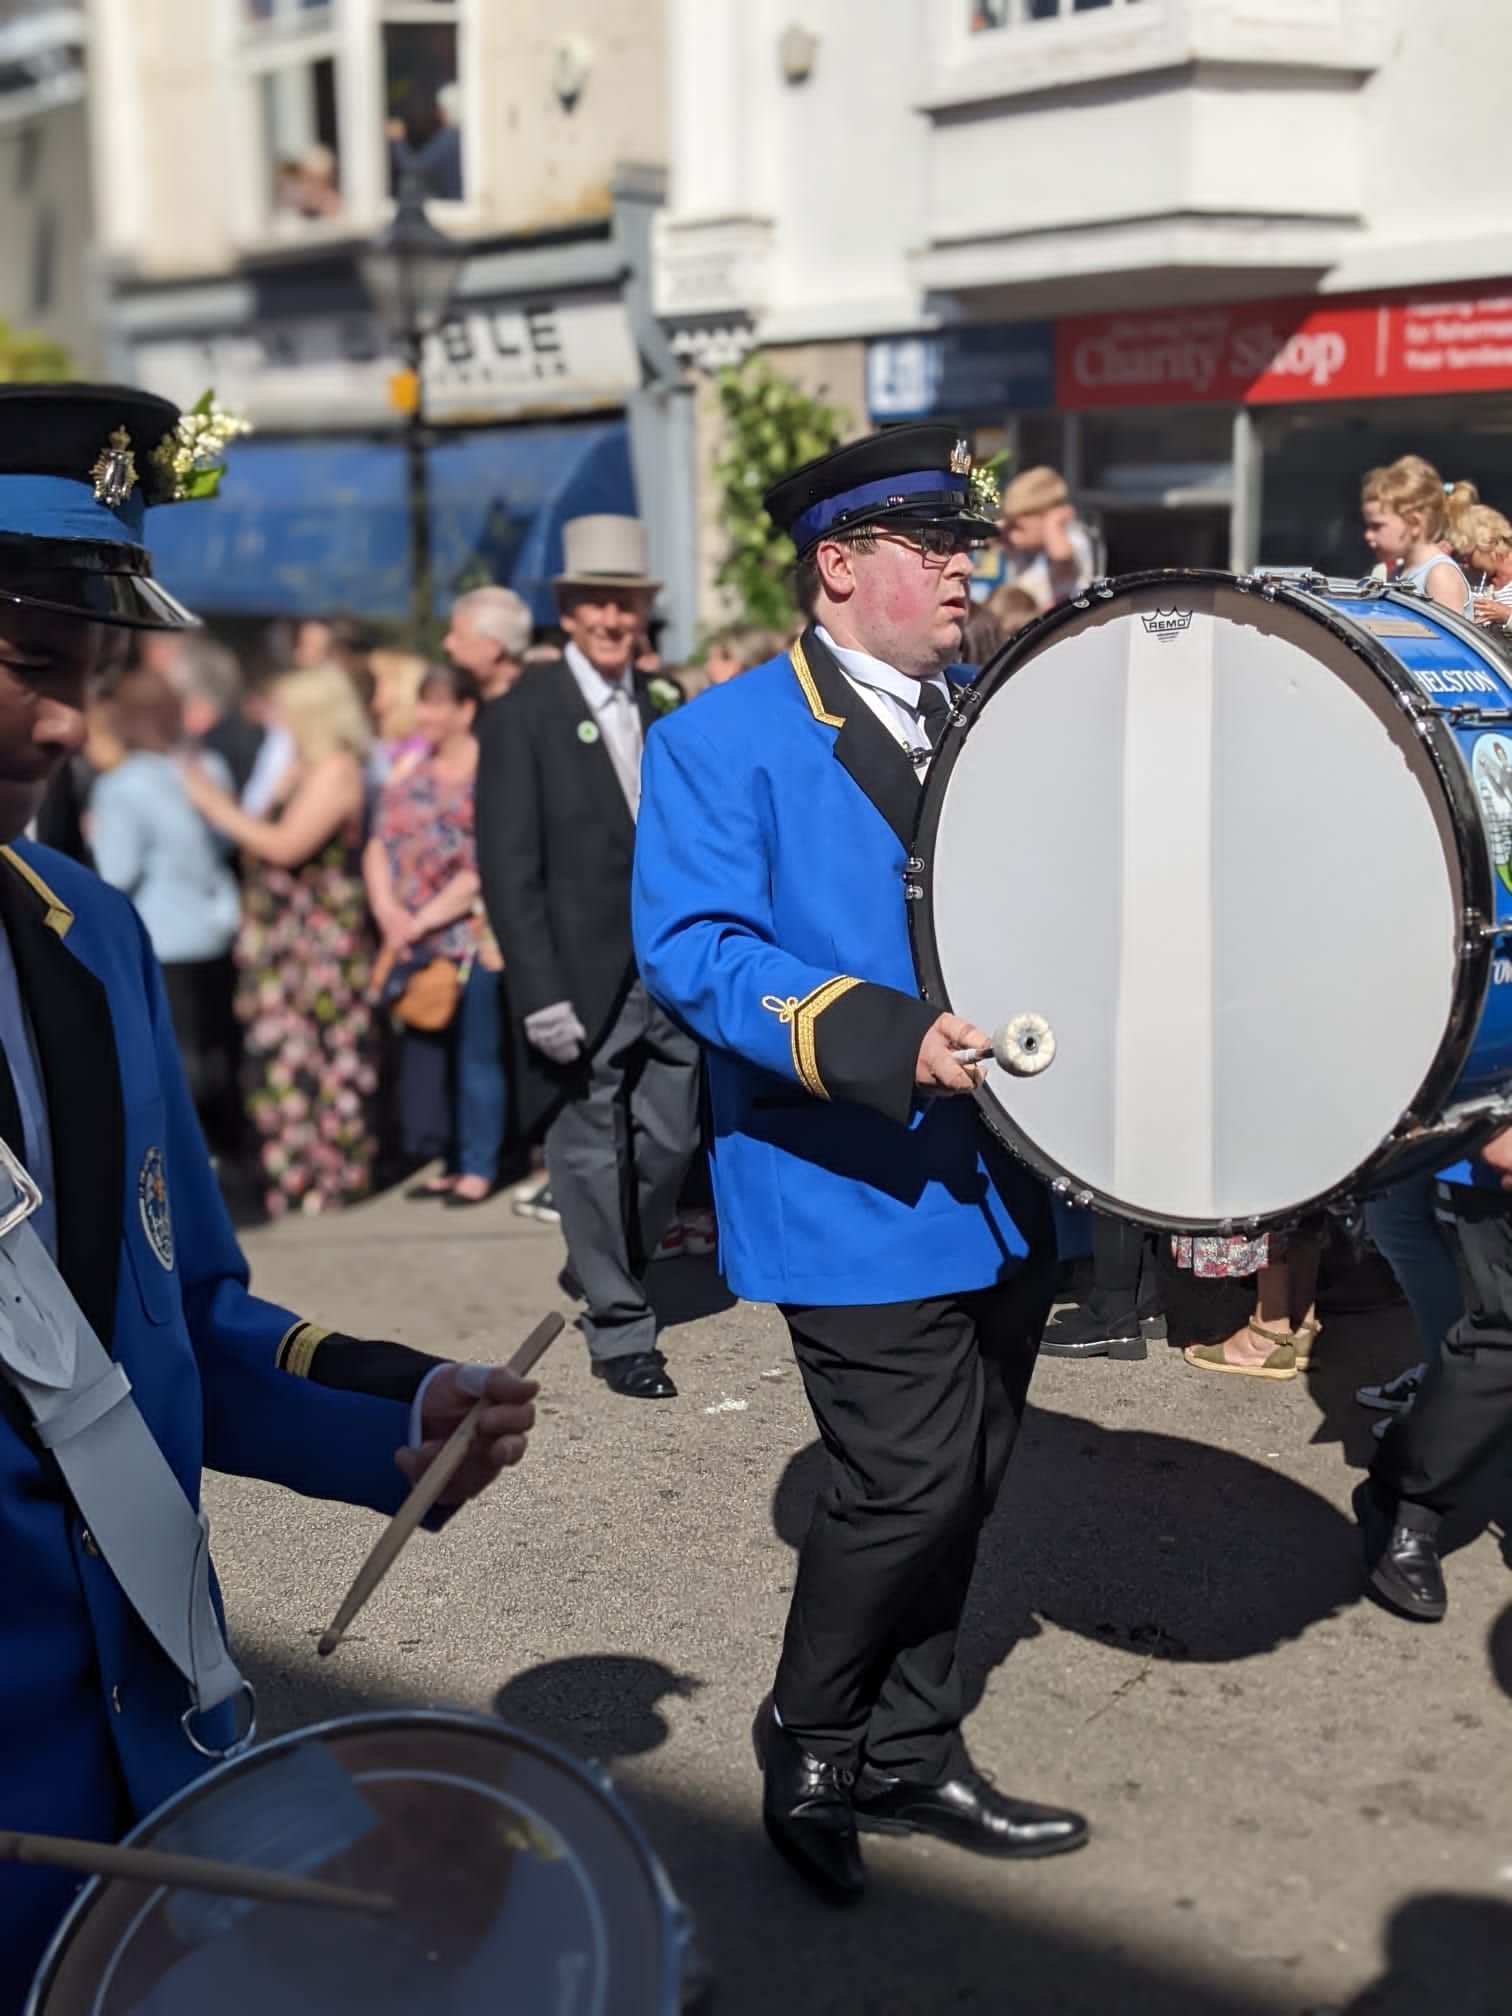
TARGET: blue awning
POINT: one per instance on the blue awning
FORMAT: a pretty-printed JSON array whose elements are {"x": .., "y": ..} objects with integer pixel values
[{"x": 308, "y": 527}]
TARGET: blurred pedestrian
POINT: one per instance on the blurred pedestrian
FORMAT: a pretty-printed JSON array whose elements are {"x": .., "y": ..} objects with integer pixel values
[
  {"x": 208, "y": 680},
  {"x": 1047, "y": 551},
  {"x": 489, "y": 637},
  {"x": 739, "y": 647},
  {"x": 1488, "y": 550},
  {"x": 149, "y": 841},
  {"x": 397, "y": 678},
  {"x": 305, "y": 951},
  {"x": 1406, "y": 511},
  {"x": 421, "y": 869},
  {"x": 1276, "y": 1342},
  {"x": 601, "y": 1067}
]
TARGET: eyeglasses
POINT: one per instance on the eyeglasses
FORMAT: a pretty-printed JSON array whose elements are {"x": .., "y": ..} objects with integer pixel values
[{"x": 935, "y": 542}]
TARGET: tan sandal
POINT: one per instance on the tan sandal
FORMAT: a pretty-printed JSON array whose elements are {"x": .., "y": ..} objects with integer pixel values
[
  {"x": 1281, "y": 1364},
  {"x": 1302, "y": 1341}
]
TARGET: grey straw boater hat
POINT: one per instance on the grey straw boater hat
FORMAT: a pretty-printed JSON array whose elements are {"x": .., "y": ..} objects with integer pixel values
[{"x": 606, "y": 552}]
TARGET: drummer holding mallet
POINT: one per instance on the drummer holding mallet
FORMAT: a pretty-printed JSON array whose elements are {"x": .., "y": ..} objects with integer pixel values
[
  {"x": 131, "y": 1351},
  {"x": 855, "y": 1187}
]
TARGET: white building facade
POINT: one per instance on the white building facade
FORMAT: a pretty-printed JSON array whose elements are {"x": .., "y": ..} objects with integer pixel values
[
  {"x": 47, "y": 275},
  {"x": 1211, "y": 257},
  {"x": 246, "y": 152}
]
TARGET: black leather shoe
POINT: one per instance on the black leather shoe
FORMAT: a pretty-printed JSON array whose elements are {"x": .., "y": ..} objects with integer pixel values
[
  {"x": 967, "y": 1811},
  {"x": 1092, "y": 1333},
  {"x": 1402, "y": 1563},
  {"x": 638, "y": 1375},
  {"x": 806, "y": 1806}
]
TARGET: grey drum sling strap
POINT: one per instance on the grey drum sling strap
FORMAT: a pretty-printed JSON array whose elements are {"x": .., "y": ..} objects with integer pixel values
[{"x": 152, "y": 1539}]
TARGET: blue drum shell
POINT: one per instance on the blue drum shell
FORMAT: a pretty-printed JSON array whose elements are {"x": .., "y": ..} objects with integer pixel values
[{"x": 1464, "y": 684}]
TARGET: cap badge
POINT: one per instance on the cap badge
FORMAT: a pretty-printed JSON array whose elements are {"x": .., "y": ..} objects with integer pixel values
[
  {"x": 960, "y": 459},
  {"x": 115, "y": 471}
]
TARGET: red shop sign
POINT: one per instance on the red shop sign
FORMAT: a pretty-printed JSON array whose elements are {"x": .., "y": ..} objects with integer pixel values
[{"x": 1269, "y": 353}]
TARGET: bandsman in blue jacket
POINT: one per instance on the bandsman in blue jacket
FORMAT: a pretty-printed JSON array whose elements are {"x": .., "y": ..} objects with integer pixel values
[
  {"x": 856, "y": 1187},
  {"x": 138, "y": 1353}
]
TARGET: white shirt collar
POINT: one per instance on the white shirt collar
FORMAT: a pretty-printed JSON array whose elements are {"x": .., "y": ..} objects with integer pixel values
[
  {"x": 876, "y": 672},
  {"x": 596, "y": 689}
]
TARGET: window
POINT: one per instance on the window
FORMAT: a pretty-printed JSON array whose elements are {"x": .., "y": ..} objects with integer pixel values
[
  {"x": 291, "y": 56},
  {"x": 422, "y": 98},
  {"x": 342, "y": 99},
  {"x": 987, "y": 14}
]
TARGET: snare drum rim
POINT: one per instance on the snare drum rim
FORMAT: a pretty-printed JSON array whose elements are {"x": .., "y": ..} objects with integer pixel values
[
  {"x": 676, "y": 1924},
  {"x": 1453, "y": 773}
]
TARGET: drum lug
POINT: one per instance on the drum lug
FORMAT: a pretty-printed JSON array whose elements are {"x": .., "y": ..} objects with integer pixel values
[
  {"x": 1101, "y": 589},
  {"x": 914, "y": 865},
  {"x": 912, "y": 893}
]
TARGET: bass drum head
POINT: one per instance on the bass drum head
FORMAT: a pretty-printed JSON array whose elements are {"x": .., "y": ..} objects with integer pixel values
[
  {"x": 519, "y": 1885},
  {"x": 1195, "y": 829}
]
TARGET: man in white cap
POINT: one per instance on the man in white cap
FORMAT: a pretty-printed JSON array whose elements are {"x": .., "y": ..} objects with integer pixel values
[{"x": 606, "y": 1072}]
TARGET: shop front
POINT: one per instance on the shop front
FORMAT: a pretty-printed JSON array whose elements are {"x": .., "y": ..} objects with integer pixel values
[
  {"x": 549, "y": 393},
  {"x": 1233, "y": 435}
]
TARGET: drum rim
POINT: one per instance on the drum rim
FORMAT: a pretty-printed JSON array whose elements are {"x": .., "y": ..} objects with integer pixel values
[
  {"x": 1431, "y": 722},
  {"x": 676, "y": 1920}
]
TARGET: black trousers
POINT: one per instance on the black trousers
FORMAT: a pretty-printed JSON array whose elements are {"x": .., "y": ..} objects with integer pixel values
[
  {"x": 1464, "y": 1407},
  {"x": 918, "y": 1405},
  {"x": 202, "y": 1003}
]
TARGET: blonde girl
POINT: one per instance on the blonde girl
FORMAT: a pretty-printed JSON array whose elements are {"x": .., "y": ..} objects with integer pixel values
[{"x": 1408, "y": 514}]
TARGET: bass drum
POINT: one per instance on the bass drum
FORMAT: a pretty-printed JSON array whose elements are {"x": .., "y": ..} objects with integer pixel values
[
  {"x": 1239, "y": 842},
  {"x": 520, "y": 1885}
]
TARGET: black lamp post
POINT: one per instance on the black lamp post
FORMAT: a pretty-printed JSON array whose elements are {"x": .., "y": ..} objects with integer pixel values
[{"x": 409, "y": 271}]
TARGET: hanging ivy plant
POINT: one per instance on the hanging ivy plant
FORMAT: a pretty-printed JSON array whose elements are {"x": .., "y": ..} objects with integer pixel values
[
  {"x": 29, "y": 359},
  {"x": 770, "y": 428}
]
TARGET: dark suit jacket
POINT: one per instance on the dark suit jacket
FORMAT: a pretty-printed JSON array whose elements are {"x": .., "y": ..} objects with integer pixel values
[{"x": 556, "y": 843}]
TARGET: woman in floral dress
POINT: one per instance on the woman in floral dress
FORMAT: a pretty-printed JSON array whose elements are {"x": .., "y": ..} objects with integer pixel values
[
  {"x": 421, "y": 867},
  {"x": 305, "y": 953}
]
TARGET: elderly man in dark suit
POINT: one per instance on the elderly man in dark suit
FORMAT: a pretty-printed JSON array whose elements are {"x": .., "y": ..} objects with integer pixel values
[{"x": 607, "y": 1073}]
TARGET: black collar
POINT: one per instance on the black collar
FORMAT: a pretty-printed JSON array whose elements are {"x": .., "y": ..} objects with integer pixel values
[
  {"x": 81, "y": 1076},
  {"x": 874, "y": 760}
]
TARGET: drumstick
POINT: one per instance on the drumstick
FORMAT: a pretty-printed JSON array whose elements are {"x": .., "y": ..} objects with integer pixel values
[
  {"x": 187, "y": 1872},
  {"x": 445, "y": 1465}
]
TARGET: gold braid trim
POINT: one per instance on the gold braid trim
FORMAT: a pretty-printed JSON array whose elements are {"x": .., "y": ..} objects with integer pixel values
[
  {"x": 801, "y": 667},
  {"x": 297, "y": 1348},
  {"x": 802, "y": 1017},
  {"x": 59, "y": 916}
]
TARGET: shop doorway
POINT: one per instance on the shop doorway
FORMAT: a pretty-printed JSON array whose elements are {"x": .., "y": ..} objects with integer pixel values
[{"x": 1190, "y": 536}]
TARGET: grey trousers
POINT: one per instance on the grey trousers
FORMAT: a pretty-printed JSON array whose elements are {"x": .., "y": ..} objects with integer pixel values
[{"x": 616, "y": 1157}]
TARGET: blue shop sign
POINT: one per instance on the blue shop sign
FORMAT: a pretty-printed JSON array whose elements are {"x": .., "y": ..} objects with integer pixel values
[{"x": 985, "y": 371}]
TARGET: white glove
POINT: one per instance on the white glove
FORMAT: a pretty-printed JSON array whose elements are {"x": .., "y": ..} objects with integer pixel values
[{"x": 556, "y": 1032}]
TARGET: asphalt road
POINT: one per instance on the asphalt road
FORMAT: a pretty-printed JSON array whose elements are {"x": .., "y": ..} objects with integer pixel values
[{"x": 1299, "y": 1803}]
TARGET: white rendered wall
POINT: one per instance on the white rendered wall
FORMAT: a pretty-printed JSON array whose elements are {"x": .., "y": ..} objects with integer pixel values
[{"x": 1353, "y": 142}]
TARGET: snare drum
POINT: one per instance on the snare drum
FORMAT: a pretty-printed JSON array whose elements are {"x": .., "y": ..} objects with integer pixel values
[
  {"x": 1246, "y": 844},
  {"x": 519, "y": 1882}
]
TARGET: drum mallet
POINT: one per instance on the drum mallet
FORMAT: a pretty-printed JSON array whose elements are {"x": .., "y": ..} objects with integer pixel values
[
  {"x": 447, "y": 1461},
  {"x": 1023, "y": 1047}
]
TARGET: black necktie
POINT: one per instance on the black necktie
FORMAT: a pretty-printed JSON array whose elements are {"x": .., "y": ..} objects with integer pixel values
[{"x": 934, "y": 711}]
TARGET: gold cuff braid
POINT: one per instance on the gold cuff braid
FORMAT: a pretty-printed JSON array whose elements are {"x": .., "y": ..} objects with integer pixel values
[
  {"x": 297, "y": 1348},
  {"x": 801, "y": 1018}
]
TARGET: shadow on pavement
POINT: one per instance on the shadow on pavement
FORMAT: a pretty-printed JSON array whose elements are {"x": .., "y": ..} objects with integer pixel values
[
  {"x": 596, "y": 1706},
  {"x": 1443, "y": 1954},
  {"x": 1499, "y": 1650},
  {"x": 913, "y": 1947},
  {"x": 1164, "y": 1547}
]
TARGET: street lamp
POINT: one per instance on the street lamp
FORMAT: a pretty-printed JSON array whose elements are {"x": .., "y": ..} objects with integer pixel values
[{"x": 410, "y": 270}]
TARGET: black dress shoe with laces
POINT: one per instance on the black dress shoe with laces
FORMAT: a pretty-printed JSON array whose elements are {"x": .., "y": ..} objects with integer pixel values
[
  {"x": 965, "y": 1810},
  {"x": 1402, "y": 1561},
  {"x": 637, "y": 1375},
  {"x": 806, "y": 1805}
]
